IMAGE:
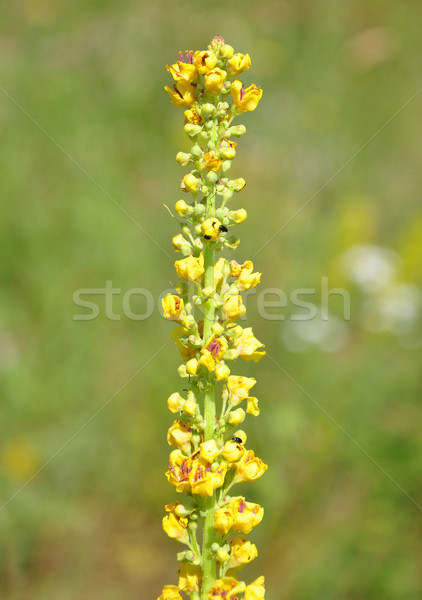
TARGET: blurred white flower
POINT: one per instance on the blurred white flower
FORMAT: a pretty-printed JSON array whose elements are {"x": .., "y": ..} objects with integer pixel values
[
  {"x": 396, "y": 309},
  {"x": 370, "y": 267},
  {"x": 329, "y": 335}
]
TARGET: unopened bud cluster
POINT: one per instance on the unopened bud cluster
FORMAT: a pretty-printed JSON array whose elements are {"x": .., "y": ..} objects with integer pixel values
[{"x": 210, "y": 455}]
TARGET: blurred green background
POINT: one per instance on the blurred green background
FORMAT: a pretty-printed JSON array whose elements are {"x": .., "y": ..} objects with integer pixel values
[{"x": 91, "y": 75}]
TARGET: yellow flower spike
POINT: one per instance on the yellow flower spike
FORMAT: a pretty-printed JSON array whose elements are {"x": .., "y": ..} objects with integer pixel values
[
  {"x": 179, "y": 434},
  {"x": 252, "y": 406},
  {"x": 233, "y": 307},
  {"x": 226, "y": 588},
  {"x": 170, "y": 592},
  {"x": 175, "y": 526},
  {"x": 222, "y": 372},
  {"x": 203, "y": 480},
  {"x": 246, "y": 279},
  {"x": 256, "y": 590},
  {"x": 248, "y": 346},
  {"x": 190, "y": 577},
  {"x": 209, "y": 451},
  {"x": 192, "y": 366},
  {"x": 212, "y": 162},
  {"x": 245, "y": 99},
  {"x": 190, "y": 268},
  {"x": 175, "y": 402},
  {"x": 193, "y": 117},
  {"x": 232, "y": 452},
  {"x": 250, "y": 468},
  {"x": 238, "y": 63},
  {"x": 237, "y": 416},
  {"x": 238, "y": 388},
  {"x": 242, "y": 552},
  {"x": 211, "y": 229},
  {"x": 181, "y": 70},
  {"x": 214, "y": 80},
  {"x": 173, "y": 307},
  {"x": 205, "y": 60},
  {"x": 190, "y": 183},
  {"x": 183, "y": 93}
]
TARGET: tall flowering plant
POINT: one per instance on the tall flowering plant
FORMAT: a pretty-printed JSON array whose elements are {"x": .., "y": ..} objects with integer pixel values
[{"x": 210, "y": 456}]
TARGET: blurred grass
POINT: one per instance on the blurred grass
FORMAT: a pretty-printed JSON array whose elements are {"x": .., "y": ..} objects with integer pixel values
[{"x": 91, "y": 75}]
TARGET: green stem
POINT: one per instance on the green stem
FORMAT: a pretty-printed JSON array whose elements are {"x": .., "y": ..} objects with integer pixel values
[{"x": 208, "y": 561}]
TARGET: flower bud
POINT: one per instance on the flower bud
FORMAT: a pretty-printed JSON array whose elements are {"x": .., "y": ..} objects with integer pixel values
[
  {"x": 214, "y": 80},
  {"x": 237, "y": 416},
  {"x": 192, "y": 366},
  {"x": 208, "y": 110},
  {"x": 228, "y": 153},
  {"x": 226, "y": 51},
  {"x": 209, "y": 451},
  {"x": 181, "y": 245},
  {"x": 236, "y": 130},
  {"x": 175, "y": 402},
  {"x": 222, "y": 555},
  {"x": 183, "y": 158},
  {"x": 190, "y": 183},
  {"x": 182, "y": 208},
  {"x": 190, "y": 407},
  {"x": 239, "y": 62},
  {"x": 196, "y": 150},
  {"x": 217, "y": 329},
  {"x": 192, "y": 130},
  {"x": 199, "y": 210},
  {"x": 220, "y": 213},
  {"x": 222, "y": 372},
  {"x": 226, "y": 166},
  {"x": 181, "y": 370},
  {"x": 241, "y": 435},
  {"x": 228, "y": 195},
  {"x": 238, "y": 216},
  {"x": 238, "y": 184},
  {"x": 203, "y": 135},
  {"x": 212, "y": 177},
  {"x": 208, "y": 292},
  {"x": 231, "y": 242}
]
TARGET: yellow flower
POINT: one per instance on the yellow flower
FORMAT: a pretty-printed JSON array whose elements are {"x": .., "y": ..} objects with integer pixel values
[
  {"x": 221, "y": 372},
  {"x": 256, "y": 590},
  {"x": 214, "y": 80},
  {"x": 245, "y": 278},
  {"x": 211, "y": 229},
  {"x": 238, "y": 388},
  {"x": 190, "y": 577},
  {"x": 178, "y": 472},
  {"x": 242, "y": 552},
  {"x": 175, "y": 526},
  {"x": 252, "y": 406},
  {"x": 192, "y": 116},
  {"x": 247, "y": 346},
  {"x": 226, "y": 51},
  {"x": 170, "y": 592},
  {"x": 250, "y": 468},
  {"x": 205, "y": 60},
  {"x": 175, "y": 402},
  {"x": 178, "y": 242},
  {"x": 203, "y": 481},
  {"x": 245, "y": 99},
  {"x": 233, "y": 307},
  {"x": 190, "y": 407},
  {"x": 183, "y": 93},
  {"x": 235, "y": 268},
  {"x": 176, "y": 334},
  {"x": 246, "y": 515},
  {"x": 179, "y": 434},
  {"x": 209, "y": 451},
  {"x": 190, "y": 268},
  {"x": 181, "y": 70},
  {"x": 237, "y": 416},
  {"x": 173, "y": 307},
  {"x": 232, "y": 451},
  {"x": 223, "y": 520},
  {"x": 212, "y": 352},
  {"x": 190, "y": 183},
  {"x": 212, "y": 162},
  {"x": 226, "y": 589},
  {"x": 239, "y": 62},
  {"x": 182, "y": 208}
]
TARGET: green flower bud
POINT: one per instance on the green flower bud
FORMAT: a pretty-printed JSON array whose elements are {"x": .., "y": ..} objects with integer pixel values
[
  {"x": 182, "y": 371},
  {"x": 238, "y": 184},
  {"x": 192, "y": 130},
  {"x": 226, "y": 166},
  {"x": 228, "y": 195},
  {"x": 223, "y": 127},
  {"x": 203, "y": 135},
  {"x": 196, "y": 150},
  {"x": 199, "y": 210},
  {"x": 221, "y": 213},
  {"x": 237, "y": 130},
  {"x": 183, "y": 158},
  {"x": 207, "y": 110},
  {"x": 209, "y": 125},
  {"x": 212, "y": 176}
]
